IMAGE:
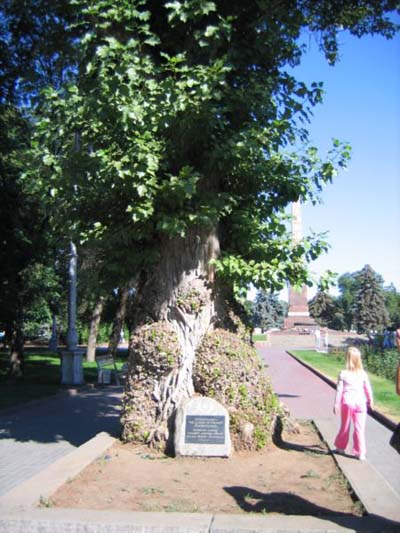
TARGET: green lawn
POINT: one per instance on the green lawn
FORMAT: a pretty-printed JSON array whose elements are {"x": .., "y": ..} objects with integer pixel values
[
  {"x": 42, "y": 377},
  {"x": 385, "y": 397},
  {"x": 259, "y": 337}
]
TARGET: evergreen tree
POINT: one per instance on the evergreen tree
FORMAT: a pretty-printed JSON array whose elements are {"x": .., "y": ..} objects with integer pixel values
[
  {"x": 369, "y": 308},
  {"x": 268, "y": 311},
  {"x": 325, "y": 310}
]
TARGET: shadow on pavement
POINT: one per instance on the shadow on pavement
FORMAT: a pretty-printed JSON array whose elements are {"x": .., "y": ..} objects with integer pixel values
[
  {"x": 73, "y": 418},
  {"x": 253, "y": 501}
]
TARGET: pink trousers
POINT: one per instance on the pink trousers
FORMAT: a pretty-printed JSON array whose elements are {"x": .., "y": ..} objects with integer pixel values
[{"x": 358, "y": 418}]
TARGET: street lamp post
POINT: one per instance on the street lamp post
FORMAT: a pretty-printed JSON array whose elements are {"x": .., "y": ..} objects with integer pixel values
[{"x": 71, "y": 365}]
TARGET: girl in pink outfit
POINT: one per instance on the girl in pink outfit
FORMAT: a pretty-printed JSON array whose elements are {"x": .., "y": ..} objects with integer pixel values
[{"x": 353, "y": 395}]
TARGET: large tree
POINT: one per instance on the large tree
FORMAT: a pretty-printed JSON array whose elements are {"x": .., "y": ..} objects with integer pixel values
[{"x": 175, "y": 147}]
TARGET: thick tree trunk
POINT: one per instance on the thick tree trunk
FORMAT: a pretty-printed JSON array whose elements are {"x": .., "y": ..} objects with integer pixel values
[
  {"x": 16, "y": 343},
  {"x": 175, "y": 308},
  {"x": 94, "y": 329},
  {"x": 118, "y": 320}
]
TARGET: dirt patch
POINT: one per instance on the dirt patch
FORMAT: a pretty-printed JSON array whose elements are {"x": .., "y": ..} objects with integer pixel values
[{"x": 299, "y": 477}]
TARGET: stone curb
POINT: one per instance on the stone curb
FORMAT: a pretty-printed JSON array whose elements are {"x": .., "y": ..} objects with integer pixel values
[
  {"x": 371, "y": 488},
  {"x": 86, "y": 521},
  {"x": 384, "y": 420}
]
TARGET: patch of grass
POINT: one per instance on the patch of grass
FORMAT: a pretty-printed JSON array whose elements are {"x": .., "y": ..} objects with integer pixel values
[
  {"x": 42, "y": 377},
  {"x": 45, "y": 502},
  {"x": 260, "y": 337},
  {"x": 385, "y": 398},
  {"x": 181, "y": 506},
  {"x": 149, "y": 491},
  {"x": 310, "y": 474}
]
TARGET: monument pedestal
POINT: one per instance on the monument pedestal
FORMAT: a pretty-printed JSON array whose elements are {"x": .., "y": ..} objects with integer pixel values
[
  {"x": 298, "y": 315},
  {"x": 71, "y": 367}
]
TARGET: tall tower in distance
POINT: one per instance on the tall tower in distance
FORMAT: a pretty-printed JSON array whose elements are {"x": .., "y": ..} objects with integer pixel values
[{"x": 298, "y": 313}]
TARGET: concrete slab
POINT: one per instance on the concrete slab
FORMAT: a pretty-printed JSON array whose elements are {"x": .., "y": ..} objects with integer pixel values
[{"x": 79, "y": 521}]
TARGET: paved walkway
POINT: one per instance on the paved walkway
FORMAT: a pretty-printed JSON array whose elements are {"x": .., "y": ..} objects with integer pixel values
[
  {"x": 309, "y": 397},
  {"x": 35, "y": 435}
]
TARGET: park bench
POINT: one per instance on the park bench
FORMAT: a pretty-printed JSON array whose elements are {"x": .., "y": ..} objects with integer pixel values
[{"x": 107, "y": 369}]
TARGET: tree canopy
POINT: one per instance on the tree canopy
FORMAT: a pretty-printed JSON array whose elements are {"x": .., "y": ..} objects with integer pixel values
[{"x": 184, "y": 114}]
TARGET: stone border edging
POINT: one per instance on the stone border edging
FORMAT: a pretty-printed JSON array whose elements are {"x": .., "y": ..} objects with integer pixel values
[
  {"x": 42, "y": 485},
  {"x": 384, "y": 420},
  {"x": 376, "y": 495}
]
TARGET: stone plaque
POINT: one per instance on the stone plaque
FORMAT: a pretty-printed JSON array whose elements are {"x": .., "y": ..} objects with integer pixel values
[{"x": 202, "y": 428}]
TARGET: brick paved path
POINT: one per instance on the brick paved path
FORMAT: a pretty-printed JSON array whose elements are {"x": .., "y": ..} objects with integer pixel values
[
  {"x": 307, "y": 397},
  {"x": 37, "y": 434}
]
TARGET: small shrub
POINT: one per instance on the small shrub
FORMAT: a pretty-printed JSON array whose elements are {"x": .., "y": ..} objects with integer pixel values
[{"x": 383, "y": 363}]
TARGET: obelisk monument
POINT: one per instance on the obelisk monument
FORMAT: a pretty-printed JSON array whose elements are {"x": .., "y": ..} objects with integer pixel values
[{"x": 298, "y": 314}]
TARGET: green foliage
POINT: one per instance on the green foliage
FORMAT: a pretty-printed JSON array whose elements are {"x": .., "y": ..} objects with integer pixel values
[
  {"x": 392, "y": 303},
  {"x": 369, "y": 305},
  {"x": 381, "y": 362},
  {"x": 29, "y": 282},
  {"x": 182, "y": 114},
  {"x": 242, "y": 387},
  {"x": 268, "y": 311},
  {"x": 325, "y": 310},
  {"x": 348, "y": 287}
]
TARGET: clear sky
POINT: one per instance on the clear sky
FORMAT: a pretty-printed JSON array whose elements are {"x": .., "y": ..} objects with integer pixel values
[{"x": 361, "y": 209}]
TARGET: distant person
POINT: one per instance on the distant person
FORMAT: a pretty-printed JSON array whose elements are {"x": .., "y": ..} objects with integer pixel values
[
  {"x": 353, "y": 395},
  {"x": 386, "y": 339},
  {"x": 398, "y": 364},
  {"x": 326, "y": 341},
  {"x": 317, "y": 335}
]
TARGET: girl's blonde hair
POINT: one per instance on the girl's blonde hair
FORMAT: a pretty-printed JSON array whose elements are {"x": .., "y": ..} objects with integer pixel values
[{"x": 353, "y": 359}]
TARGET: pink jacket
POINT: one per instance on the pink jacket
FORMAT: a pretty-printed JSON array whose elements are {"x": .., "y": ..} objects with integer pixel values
[{"x": 353, "y": 389}]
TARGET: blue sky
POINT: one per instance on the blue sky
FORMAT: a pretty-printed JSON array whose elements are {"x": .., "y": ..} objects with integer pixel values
[{"x": 361, "y": 209}]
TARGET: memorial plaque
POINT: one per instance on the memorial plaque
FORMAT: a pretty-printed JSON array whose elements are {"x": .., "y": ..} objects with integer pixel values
[
  {"x": 205, "y": 429},
  {"x": 202, "y": 428}
]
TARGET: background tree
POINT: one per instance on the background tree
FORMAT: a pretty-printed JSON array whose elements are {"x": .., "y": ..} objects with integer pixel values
[
  {"x": 268, "y": 311},
  {"x": 392, "y": 303},
  {"x": 369, "y": 309},
  {"x": 326, "y": 311},
  {"x": 34, "y": 46},
  {"x": 28, "y": 280},
  {"x": 174, "y": 149},
  {"x": 348, "y": 287}
]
